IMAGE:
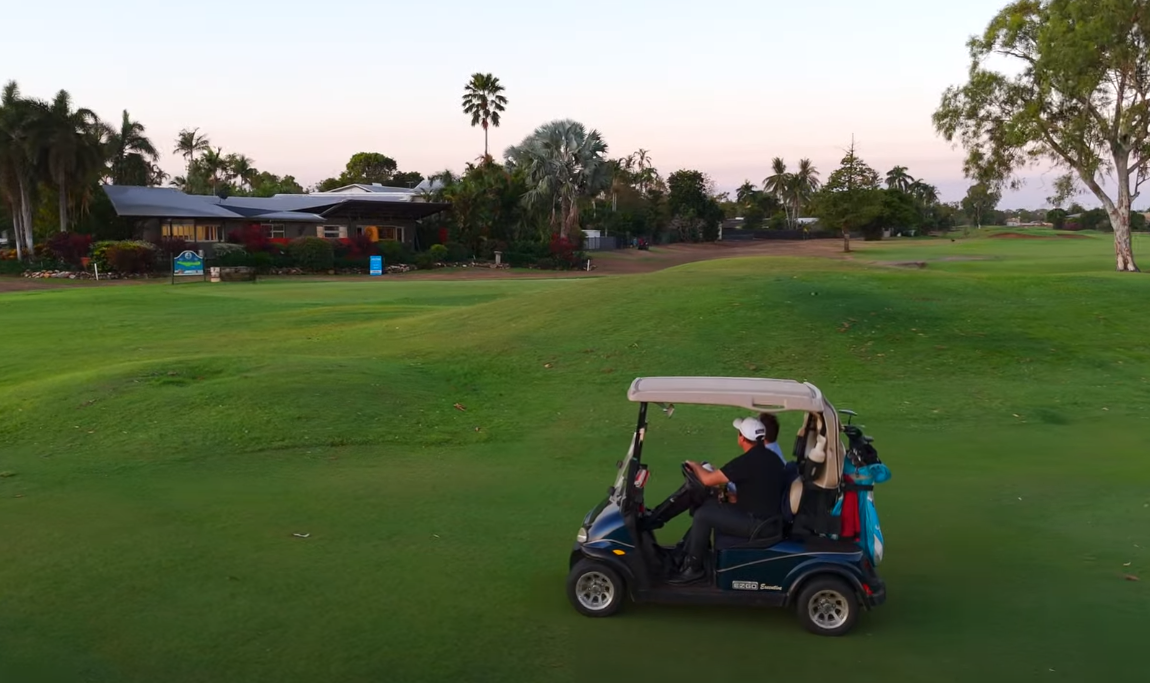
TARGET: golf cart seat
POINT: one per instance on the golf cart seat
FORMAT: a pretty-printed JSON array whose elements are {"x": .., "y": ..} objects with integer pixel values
[{"x": 769, "y": 533}]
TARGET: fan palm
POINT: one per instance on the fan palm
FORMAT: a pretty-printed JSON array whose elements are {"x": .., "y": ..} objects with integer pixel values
[
  {"x": 483, "y": 99},
  {"x": 130, "y": 153},
  {"x": 563, "y": 162},
  {"x": 898, "y": 179}
]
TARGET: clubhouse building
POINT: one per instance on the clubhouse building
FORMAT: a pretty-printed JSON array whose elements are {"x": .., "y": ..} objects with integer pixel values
[{"x": 382, "y": 213}]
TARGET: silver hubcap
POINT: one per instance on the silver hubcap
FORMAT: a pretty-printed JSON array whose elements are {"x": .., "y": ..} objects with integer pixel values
[
  {"x": 828, "y": 609},
  {"x": 595, "y": 591}
]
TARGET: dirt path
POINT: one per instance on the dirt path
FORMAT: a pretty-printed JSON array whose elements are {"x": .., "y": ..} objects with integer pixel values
[{"x": 621, "y": 262}]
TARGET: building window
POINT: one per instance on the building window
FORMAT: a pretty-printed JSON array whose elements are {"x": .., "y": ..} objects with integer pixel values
[
  {"x": 332, "y": 232},
  {"x": 184, "y": 231},
  {"x": 386, "y": 233},
  {"x": 274, "y": 230},
  {"x": 207, "y": 233},
  {"x": 191, "y": 232}
]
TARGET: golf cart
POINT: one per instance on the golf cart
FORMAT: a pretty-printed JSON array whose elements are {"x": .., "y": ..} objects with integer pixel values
[{"x": 796, "y": 561}]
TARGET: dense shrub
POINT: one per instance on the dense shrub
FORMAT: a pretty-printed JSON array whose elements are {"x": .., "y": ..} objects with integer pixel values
[
  {"x": 226, "y": 248},
  {"x": 438, "y": 253},
  {"x": 99, "y": 253},
  {"x": 1137, "y": 221},
  {"x": 312, "y": 253},
  {"x": 424, "y": 261},
  {"x": 12, "y": 267},
  {"x": 131, "y": 257},
  {"x": 457, "y": 253},
  {"x": 252, "y": 237},
  {"x": 70, "y": 247},
  {"x": 394, "y": 252},
  {"x": 361, "y": 246},
  {"x": 7, "y": 254}
]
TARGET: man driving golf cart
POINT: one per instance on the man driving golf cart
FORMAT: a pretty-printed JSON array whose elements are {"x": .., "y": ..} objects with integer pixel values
[
  {"x": 757, "y": 475},
  {"x": 800, "y": 561}
]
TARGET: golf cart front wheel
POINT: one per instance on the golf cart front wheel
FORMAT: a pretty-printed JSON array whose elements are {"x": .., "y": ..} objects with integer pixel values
[
  {"x": 595, "y": 589},
  {"x": 827, "y": 606}
]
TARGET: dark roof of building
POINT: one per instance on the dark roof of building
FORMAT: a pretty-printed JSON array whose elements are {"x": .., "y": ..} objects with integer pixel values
[{"x": 164, "y": 202}]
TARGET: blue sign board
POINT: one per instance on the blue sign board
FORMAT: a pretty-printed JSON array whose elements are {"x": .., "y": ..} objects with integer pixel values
[
  {"x": 377, "y": 265},
  {"x": 188, "y": 263}
]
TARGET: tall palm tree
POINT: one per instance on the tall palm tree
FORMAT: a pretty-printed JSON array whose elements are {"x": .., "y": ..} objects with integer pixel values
[
  {"x": 214, "y": 165},
  {"x": 483, "y": 99},
  {"x": 898, "y": 179},
  {"x": 241, "y": 168},
  {"x": 778, "y": 184},
  {"x": 189, "y": 143},
  {"x": 563, "y": 163},
  {"x": 924, "y": 192},
  {"x": 129, "y": 153},
  {"x": 21, "y": 135},
  {"x": 803, "y": 185},
  {"x": 745, "y": 193},
  {"x": 74, "y": 150}
]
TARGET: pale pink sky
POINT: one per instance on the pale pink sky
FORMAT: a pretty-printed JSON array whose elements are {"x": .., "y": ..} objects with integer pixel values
[{"x": 721, "y": 87}]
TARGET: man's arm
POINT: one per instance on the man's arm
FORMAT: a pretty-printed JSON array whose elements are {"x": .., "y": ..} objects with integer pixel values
[{"x": 715, "y": 478}]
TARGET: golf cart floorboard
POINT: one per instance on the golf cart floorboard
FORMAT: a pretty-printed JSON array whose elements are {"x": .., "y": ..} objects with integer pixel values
[{"x": 703, "y": 594}]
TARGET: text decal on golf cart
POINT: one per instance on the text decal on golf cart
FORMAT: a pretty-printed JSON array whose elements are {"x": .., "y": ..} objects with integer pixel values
[{"x": 753, "y": 586}]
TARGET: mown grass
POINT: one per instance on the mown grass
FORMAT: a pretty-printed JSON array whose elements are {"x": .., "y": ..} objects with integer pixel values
[{"x": 162, "y": 445}]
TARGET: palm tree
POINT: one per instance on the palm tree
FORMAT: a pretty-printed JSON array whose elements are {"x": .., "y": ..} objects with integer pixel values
[
  {"x": 74, "y": 149},
  {"x": 130, "y": 152},
  {"x": 21, "y": 134},
  {"x": 778, "y": 184},
  {"x": 189, "y": 143},
  {"x": 803, "y": 185},
  {"x": 898, "y": 179},
  {"x": 563, "y": 163},
  {"x": 483, "y": 99},
  {"x": 924, "y": 192},
  {"x": 240, "y": 167},
  {"x": 214, "y": 165},
  {"x": 745, "y": 193}
]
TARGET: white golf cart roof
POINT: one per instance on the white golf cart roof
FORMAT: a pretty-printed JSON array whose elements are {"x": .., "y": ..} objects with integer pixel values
[
  {"x": 819, "y": 433},
  {"x": 764, "y": 395}
]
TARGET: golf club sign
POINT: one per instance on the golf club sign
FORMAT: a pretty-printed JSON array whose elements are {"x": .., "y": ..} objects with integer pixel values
[{"x": 188, "y": 263}]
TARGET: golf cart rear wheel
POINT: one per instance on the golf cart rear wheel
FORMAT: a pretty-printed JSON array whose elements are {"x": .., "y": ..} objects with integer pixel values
[
  {"x": 827, "y": 606},
  {"x": 595, "y": 589}
]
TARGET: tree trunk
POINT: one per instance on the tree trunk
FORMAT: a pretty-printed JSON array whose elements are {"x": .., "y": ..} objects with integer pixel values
[
  {"x": 846, "y": 240},
  {"x": 1123, "y": 252},
  {"x": 63, "y": 205},
  {"x": 26, "y": 212},
  {"x": 18, "y": 228},
  {"x": 485, "y": 154}
]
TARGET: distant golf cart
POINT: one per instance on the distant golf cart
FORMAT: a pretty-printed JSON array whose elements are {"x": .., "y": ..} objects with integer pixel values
[{"x": 793, "y": 563}]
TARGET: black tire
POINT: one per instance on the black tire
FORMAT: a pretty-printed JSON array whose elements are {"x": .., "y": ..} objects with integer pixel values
[
  {"x": 827, "y": 606},
  {"x": 595, "y": 589}
]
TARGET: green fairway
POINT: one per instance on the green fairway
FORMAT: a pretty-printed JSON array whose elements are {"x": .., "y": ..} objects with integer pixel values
[{"x": 439, "y": 443}]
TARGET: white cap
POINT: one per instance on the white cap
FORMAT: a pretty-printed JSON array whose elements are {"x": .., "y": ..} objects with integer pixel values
[{"x": 750, "y": 427}]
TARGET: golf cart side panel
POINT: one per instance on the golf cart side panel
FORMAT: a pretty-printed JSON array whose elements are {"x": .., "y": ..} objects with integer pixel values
[{"x": 765, "y": 568}]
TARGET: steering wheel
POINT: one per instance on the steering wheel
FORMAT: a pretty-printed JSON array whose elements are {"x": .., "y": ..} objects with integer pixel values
[{"x": 692, "y": 481}]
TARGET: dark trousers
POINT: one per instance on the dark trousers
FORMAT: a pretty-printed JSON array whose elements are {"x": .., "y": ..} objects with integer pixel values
[{"x": 721, "y": 517}]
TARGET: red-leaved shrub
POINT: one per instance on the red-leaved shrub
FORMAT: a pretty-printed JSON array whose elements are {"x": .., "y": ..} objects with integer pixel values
[
  {"x": 70, "y": 247},
  {"x": 252, "y": 237},
  {"x": 563, "y": 252}
]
